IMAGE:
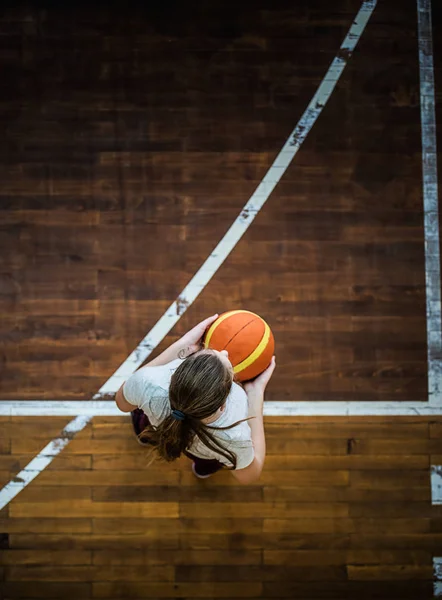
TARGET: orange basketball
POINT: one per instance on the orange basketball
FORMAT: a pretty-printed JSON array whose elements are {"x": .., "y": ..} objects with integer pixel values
[{"x": 248, "y": 340}]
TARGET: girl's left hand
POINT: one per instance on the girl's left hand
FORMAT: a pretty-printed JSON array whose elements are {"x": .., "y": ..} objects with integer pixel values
[{"x": 192, "y": 341}]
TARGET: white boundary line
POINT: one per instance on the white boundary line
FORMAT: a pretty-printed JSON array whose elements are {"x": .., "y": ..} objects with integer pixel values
[
  {"x": 42, "y": 460},
  {"x": 105, "y": 408},
  {"x": 225, "y": 246},
  {"x": 432, "y": 255},
  {"x": 436, "y": 484},
  {"x": 437, "y": 571},
  {"x": 431, "y": 211},
  {"x": 436, "y": 500}
]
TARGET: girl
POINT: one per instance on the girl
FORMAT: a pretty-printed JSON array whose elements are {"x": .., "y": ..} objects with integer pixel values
[{"x": 188, "y": 402}]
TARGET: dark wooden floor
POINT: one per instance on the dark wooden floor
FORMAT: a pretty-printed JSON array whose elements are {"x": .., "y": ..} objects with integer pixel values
[
  {"x": 132, "y": 143},
  {"x": 133, "y": 137}
]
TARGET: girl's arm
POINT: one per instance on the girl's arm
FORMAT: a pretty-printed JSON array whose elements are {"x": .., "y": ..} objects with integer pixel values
[
  {"x": 122, "y": 403},
  {"x": 169, "y": 354},
  {"x": 190, "y": 342}
]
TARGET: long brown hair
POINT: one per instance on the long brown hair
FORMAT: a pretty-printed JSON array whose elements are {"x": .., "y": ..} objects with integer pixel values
[{"x": 198, "y": 387}]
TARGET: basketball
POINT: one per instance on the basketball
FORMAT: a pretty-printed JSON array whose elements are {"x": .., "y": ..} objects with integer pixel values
[{"x": 248, "y": 340}]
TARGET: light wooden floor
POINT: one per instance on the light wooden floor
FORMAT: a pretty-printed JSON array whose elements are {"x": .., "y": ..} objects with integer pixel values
[{"x": 342, "y": 510}]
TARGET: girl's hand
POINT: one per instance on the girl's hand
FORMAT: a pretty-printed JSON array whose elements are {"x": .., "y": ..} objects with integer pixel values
[
  {"x": 192, "y": 341},
  {"x": 259, "y": 383}
]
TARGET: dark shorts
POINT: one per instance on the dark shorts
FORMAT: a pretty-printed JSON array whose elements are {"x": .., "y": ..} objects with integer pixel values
[{"x": 203, "y": 466}]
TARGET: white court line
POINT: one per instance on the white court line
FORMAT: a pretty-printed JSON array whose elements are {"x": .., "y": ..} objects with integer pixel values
[
  {"x": 105, "y": 408},
  {"x": 431, "y": 228},
  {"x": 431, "y": 210},
  {"x": 239, "y": 227},
  {"x": 437, "y": 571},
  {"x": 436, "y": 484},
  {"x": 42, "y": 460}
]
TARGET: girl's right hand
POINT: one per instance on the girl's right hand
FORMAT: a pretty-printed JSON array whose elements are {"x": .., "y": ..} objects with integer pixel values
[{"x": 259, "y": 383}]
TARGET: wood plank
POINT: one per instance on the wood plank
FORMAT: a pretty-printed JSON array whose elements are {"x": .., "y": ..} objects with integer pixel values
[
  {"x": 198, "y": 590},
  {"x": 263, "y": 510},
  {"x": 175, "y": 494},
  {"x": 414, "y": 446},
  {"x": 389, "y": 480},
  {"x": 144, "y": 556},
  {"x": 260, "y": 573},
  {"x": 307, "y": 446},
  {"x": 148, "y": 478},
  {"x": 346, "y": 525},
  {"x": 4, "y": 477},
  {"x": 436, "y": 525},
  {"x": 351, "y": 557},
  {"x": 436, "y": 430},
  {"x": 335, "y": 494},
  {"x": 5, "y": 446},
  {"x": 42, "y": 556},
  {"x": 347, "y": 430},
  {"x": 147, "y": 541},
  {"x": 37, "y": 493},
  {"x": 430, "y": 542},
  {"x": 46, "y": 590},
  {"x": 226, "y": 526},
  {"x": 87, "y": 508},
  {"x": 394, "y": 509},
  {"x": 305, "y": 557},
  {"x": 46, "y": 525},
  {"x": 352, "y": 461},
  {"x": 387, "y": 557},
  {"x": 88, "y": 573},
  {"x": 300, "y": 478},
  {"x": 352, "y": 589},
  {"x": 359, "y": 446},
  {"x": 390, "y": 572}
]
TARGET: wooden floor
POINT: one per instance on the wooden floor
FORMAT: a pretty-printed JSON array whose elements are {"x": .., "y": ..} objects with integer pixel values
[
  {"x": 134, "y": 137},
  {"x": 342, "y": 510},
  {"x": 133, "y": 145}
]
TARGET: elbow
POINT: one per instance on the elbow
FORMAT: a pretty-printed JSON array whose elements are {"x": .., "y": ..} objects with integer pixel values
[
  {"x": 118, "y": 406},
  {"x": 122, "y": 403}
]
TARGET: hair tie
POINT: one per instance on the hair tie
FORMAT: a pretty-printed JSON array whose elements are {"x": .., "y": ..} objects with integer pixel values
[{"x": 177, "y": 414}]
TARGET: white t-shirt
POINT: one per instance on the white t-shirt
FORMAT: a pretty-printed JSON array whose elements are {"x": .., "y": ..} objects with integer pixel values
[{"x": 148, "y": 389}]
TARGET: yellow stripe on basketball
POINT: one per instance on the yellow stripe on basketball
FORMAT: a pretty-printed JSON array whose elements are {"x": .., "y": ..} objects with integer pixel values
[
  {"x": 219, "y": 321},
  {"x": 256, "y": 353}
]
